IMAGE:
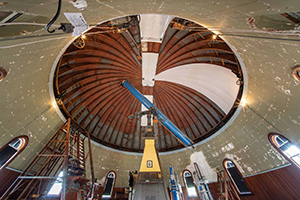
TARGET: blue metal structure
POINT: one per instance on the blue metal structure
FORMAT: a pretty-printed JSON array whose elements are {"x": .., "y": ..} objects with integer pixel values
[
  {"x": 159, "y": 115},
  {"x": 202, "y": 184},
  {"x": 173, "y": 185}
]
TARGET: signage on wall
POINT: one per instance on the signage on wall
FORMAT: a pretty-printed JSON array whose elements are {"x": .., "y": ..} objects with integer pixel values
[{"x": 149, "y": 164}]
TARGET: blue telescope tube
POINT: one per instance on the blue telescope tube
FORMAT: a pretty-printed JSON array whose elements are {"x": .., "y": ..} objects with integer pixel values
[
  {"x": 173, "y": 185},
  {"x": 159, "y": 115}
]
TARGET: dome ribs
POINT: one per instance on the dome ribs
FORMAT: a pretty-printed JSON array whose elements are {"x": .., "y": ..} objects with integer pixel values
[
  {"x": 122, "y": 113},
  {"x": 185, "y": 54},
  {"x": 104, "y": 55},
  {"x": 112, "y": 116},
  {"x": 132, "y": 35},
  {"x": 199, "y": 100},
  {"x": 169, "y": 112},
  {"x": 100, "y": 45},
  {"x": 97, "y": 108},
  {"x": 193, "y": 45},
  {"x": 195, "y": 111},
  {"x": 103, "y": 121},
  {"x": 131, "y": 108},
  {"x": 181, "y": 113},
  {"x": 79, "y": 83},
  {"x": 203, "y": 114},
  {"x": 119, "y": 43},
  {"x": 99, "y": 74},
  {"x": 179, "y": 43},
  {"x": 127, "y": 46},
  {"x": 88, "y": 96},
  {"x": 88, "y": 83}
]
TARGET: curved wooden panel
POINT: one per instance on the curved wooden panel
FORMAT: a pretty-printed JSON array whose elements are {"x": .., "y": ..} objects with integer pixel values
[{"x": 88, "y": 84}]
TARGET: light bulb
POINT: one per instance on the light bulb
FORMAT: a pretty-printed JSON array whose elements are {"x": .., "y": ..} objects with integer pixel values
[{"x": 243, "y": 102}]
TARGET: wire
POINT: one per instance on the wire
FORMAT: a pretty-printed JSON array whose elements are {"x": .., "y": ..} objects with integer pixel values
[
  {"x": 54, "y": 19},
  {"x": 25, "y": 23}
]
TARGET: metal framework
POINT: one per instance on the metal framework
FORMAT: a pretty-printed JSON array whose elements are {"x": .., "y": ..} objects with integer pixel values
[
  {"x": 64, "y": 152},
  {"x": 226, "y": 188},
  {"x": 202, "y": 184}
]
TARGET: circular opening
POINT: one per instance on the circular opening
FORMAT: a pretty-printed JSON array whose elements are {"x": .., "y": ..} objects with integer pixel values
[{"x": 187, "y": 71}]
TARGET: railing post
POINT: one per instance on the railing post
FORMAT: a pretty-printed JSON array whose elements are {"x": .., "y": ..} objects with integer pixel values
[
  {"x": 225, "y": 187},
  {"x": 66, "y": 159}
]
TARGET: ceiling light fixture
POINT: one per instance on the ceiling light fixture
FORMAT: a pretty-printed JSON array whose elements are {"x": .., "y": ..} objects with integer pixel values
[
  {"x": 243, "y": 102},
  {"x": 54, "y": 105}
]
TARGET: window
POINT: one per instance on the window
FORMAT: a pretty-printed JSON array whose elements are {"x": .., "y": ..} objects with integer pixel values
[
  {"x": 109, "y": 184},
  {"x": 236, "y": 177},
  {"x": 13, "y": 148},
  {"x": 189, "y": 184},
  {"x": 57, "y": 185},
  {"x": 296, "y": 73},
  {"x": 293, "y": 16},
  {"x": 285, "y": 147}
]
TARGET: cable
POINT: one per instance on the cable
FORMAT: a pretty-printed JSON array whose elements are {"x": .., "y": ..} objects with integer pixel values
[
  {"x": 264, "y": 119},
  {"x": 54, "y": 19},
  {"x": 24, "y": 23}
]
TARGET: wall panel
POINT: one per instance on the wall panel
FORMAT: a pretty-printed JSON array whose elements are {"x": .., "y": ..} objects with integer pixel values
[
  {"x": 7, "y": 177},
  {"x": 280, "y": 184},
  {"x": 283, "y": 183}
]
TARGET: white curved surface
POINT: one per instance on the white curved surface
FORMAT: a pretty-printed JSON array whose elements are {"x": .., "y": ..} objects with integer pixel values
[
  {"x": 215, "y": 82},
  {"x": 153, "y": 26},
  {"x": 148, "y": 68}
]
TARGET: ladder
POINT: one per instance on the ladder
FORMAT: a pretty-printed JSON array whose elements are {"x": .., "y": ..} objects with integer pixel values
[{"x": 64, "y": 152}]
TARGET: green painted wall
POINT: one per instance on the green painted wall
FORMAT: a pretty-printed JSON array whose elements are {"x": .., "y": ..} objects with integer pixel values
[{"x": 25, "y": 103}]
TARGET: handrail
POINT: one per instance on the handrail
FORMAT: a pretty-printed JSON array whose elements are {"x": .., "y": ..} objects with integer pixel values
[{"x": 226, "y": 188}]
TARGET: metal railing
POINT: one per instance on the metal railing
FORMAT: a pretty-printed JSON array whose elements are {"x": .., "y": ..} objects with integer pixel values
[{"x": 226, "y": 188}]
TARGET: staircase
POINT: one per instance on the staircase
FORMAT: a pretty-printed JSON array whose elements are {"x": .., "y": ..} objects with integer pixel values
[
  {"x": 63, "y": 153},
  {"x": 226, "y": 188}
]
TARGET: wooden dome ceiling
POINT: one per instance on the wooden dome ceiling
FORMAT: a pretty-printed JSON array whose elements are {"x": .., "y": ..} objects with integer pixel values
[{"x": 88, "y": 83}]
